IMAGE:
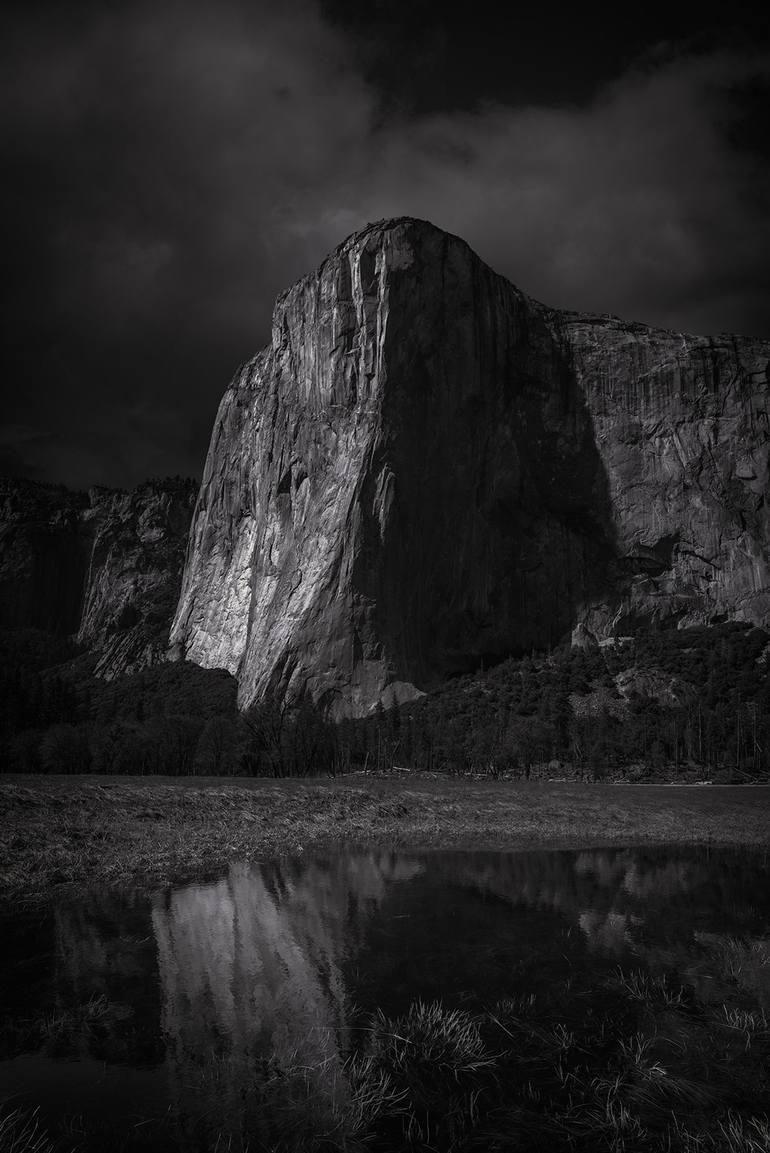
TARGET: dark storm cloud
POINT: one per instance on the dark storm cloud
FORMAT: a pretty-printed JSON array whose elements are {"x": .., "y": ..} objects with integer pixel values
[
  {"x": 635, "y": 203},
  {"x": 169, "y": 169}
]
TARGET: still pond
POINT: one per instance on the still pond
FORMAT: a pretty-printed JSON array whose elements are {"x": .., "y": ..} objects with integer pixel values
[{"x": 385, "y": 1000}]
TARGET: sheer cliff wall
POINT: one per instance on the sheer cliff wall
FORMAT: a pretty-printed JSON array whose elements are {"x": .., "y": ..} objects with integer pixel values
[
  {"x": 426, "y": 469},
  {"x": 103, "y": 567}
]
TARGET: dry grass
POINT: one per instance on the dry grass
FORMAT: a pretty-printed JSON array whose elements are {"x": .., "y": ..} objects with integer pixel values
[
  {"x": 57, "y": 831},
  {"x": 21, "y": 1132}
]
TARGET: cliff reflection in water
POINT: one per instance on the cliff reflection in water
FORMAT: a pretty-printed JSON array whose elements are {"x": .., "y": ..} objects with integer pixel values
[
  {"x": 640, "y": 901},
  {"x": 251, "y": 966},
  {"x": 273, "y": 958},
  {"x": 282, "y": 963}
]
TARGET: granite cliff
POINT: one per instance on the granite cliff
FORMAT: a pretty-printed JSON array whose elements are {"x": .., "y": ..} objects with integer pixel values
[
  {"x": 104, "y": 566},
  {"x": 426, "y": 469}
]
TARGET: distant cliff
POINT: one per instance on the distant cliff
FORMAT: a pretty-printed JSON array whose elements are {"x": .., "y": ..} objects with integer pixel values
[
  {"x": 103, "y": 566},
  {"x": 426, "y": 469}
]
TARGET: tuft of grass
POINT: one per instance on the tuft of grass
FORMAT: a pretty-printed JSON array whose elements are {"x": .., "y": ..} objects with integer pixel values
[
  {"x": 733, "y": 1134},
  {"x": 289, "y": 1105},
  {"x": 72, "y": 1031},
  {"x": 97, "y": 1009},
  {"x": 439, "y": 1062},
  {"x": 524, "y": 1005},
  {"x": 437, "y": 1041},
  {"x": 749, "y": 1023},
  {"x": 746, "y": 1135},
  {"x": 647, "y": 988},
  {"x": 21, "y": 1132}
]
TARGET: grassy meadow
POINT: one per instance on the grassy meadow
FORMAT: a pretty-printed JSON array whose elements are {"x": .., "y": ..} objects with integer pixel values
[{"x": 143, "y": 831}]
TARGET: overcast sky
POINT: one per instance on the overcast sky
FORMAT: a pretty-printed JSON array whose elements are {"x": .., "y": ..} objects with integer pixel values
[{"x": 169, "y": 168}]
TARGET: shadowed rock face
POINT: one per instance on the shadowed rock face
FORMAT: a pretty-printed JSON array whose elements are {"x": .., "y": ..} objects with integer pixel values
[
  {"x": 427, "y": 469},
  {"x": 102, "y": 566},
  {"x": 681, "y": 425}
]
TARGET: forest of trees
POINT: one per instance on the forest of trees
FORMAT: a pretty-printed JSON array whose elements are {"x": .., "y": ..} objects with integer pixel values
[{"x": 676, "y": 704}]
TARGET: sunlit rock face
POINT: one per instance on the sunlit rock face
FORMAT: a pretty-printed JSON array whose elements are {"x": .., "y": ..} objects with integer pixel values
[
  {"x": 427, "y": 469},
  {"x": 103, "y": 566}
]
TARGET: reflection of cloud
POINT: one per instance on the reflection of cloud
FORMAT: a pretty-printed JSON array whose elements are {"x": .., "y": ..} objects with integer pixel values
[{"x": 251, "y": 965}]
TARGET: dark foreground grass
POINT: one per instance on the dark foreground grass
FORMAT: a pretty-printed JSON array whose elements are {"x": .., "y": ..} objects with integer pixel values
[
  {"x": 139, "y": 831},
  {"x": 639, "y": 1064}
]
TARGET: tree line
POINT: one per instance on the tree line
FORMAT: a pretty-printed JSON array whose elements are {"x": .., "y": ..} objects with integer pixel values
[{"x": 684, "y": 704}]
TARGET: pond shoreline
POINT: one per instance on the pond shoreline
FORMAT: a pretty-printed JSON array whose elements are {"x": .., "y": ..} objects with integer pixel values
[{"x": 59, "y": 832}]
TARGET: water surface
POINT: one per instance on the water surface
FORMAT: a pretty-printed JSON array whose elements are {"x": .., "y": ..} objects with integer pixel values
[{"x": 120, "y": 1009}]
